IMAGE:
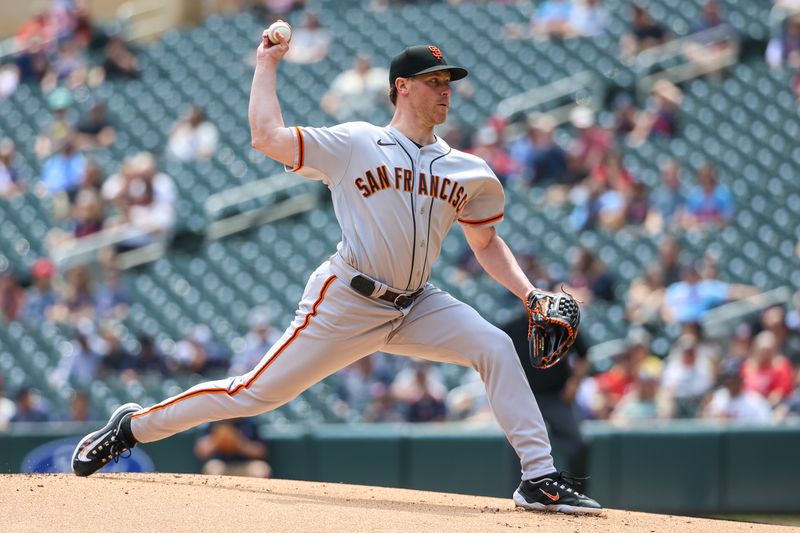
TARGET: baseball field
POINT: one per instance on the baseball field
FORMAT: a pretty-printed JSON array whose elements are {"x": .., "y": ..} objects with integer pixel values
[{"x": 171, "y": 502}]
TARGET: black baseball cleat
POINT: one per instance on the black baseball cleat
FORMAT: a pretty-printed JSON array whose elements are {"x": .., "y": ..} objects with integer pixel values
[
  {"x": 555, "y": 493},
  {"x": 96, "y": 449}
]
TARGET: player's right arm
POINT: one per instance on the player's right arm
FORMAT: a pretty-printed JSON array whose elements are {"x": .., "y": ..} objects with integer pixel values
[{"x": 267, "y": 131}]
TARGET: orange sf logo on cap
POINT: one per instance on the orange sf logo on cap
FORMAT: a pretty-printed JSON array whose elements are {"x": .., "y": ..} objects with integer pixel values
[{"x": 436, "y": 52}]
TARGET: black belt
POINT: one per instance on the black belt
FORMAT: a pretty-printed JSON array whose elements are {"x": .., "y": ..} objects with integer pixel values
[{"x": 364, "y": 285}]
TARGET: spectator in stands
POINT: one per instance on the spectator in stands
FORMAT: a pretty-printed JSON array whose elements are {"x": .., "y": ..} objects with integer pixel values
[
  {"x": 713, "y": 40},
  {"x": 12, "y": 298},
  {"x": 144, "y": 199},
  {"x": 487, "y": 144},
  {"x": 233, "y": 448},
  {"x": 87, "y": 213},
  {"x": 694, "y": 333},
  {"x": 638, "y": 342},
  {"x": 310, "y": 42},
  {"x": 541, "y": 159},
  {"x": 69, "y": 68},
  {"x": 588, "y": 18},
  {"x": 768, "y": 372},
  {"x": 61, "y": 124},
  {"x": 111, "y": 297},
  {"x": 709, "y": 205},
  {"x": 39, "y": 29},
  {"x": 598, "y": 395},
  {"x": 642, "y": 34},
  {"x": 687, "y": 378},
  {"x": 740, "y": 345},
  {"x": 689, "y": 299},
  {"x": 77, "y": 300},
  {"x": 191, "y": 352},
  {"x": 382, "y": 407},
  {"x": 79, "y": 364},
  {"x": 28, "y": 406},
  {"x": 589, "y": 278},
  {"x": 358, "y": 384},
  {"x": 120, "y": 62},
  {"x": 789, "y": 409},
  {"x": 193, "y": 138},
  {"x": 94, "y": 131},
  {"x": 409, "y": 386},
  {"x": 259, "y": 339},
  {"x": 428, "y": 405},
  {"x": 613, "y": 202},
  {"x": 63, "y": 171},
  {"x": 41, "y": 297},
  {"x": 730, "y": 401},
  {"x": 80, "y": 409},
  {"x": 625, "y": 112},
  {"x": 669, "y": 250},
  {"x": 148, "y": 359},
  {"x": 7, "y": 407},
  {"x": 9, "y": 79},
  {"x": 774, "y": 319},
  {"x": 197, "y": 352},
  {"x": 640, "y": 403},
  {"x": 660, "y": 118},
  {"x": 10, "y": 182},
  {"x": 667, "y": 201},
  {"x": 33, "y": 63},
  {"x": 456, "y": 135},
  {"x": 140, "y": 166},
  {"x": 115, "y": 357},
  {"x": 591, "y": 144},
  {"x": 356, "y": 92},
  {"x": 552, "y": 19},
  {"x": 637, "y": 204},
  {"x": 783, "y": 51},
  {"x": 645, "y": 295}
]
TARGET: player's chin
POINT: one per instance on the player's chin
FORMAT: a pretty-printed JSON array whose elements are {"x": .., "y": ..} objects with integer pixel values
[{"x": 440, "y": 115}]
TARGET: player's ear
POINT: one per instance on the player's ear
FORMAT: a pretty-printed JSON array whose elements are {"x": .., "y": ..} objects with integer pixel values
[{"x": 402, "y": 85}]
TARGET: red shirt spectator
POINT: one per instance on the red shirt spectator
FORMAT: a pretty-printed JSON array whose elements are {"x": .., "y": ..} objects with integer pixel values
[{"x": 766, "y": 371}]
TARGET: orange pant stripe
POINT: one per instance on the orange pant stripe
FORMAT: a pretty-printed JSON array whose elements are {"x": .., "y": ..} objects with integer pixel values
[{"x": 260, "y": 371}]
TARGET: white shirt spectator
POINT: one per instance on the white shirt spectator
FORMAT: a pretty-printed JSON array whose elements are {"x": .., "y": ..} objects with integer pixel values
[
  {"x": 310, "y": 43},
  {"x": 193, "y": 138},
  {"x": 685, "y": 380},
  {"x": 747, "y": 406}
]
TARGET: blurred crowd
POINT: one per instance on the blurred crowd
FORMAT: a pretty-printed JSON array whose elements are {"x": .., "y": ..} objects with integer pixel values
[{"x": 579, "y": 164}]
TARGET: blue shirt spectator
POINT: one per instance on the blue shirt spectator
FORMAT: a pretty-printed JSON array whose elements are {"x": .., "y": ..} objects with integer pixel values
[
  {"x": 708, "y": 204},
  {"x": 688, "y": 300},
  {"x": 64, "y": 170}
]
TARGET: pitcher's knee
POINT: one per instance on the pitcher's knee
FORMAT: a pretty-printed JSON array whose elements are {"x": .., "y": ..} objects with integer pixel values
[{"x": 495, "y": 346}]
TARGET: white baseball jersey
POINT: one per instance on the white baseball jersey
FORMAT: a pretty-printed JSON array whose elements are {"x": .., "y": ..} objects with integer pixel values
[{"x": 395, "y": 201}]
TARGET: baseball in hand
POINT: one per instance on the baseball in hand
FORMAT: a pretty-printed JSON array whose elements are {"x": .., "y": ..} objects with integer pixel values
[{"x": 279, "y": 27}]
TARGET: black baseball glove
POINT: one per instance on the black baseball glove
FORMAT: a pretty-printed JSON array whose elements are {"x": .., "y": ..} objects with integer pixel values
[{"x": 553, "y": 320}]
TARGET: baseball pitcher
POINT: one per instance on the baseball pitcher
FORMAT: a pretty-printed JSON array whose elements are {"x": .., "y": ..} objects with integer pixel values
[{"x": 396, "y": 192}]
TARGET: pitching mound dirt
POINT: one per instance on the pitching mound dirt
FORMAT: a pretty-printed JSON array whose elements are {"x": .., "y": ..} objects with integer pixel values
[{"x": 178, "y": 502}]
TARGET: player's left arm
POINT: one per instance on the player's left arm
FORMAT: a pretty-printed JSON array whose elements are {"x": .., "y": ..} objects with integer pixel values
[{"x": 496, "y": 258}]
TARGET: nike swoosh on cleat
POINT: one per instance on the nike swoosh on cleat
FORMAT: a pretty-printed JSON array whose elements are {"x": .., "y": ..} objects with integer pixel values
[
  {"x": 83, "y": 455},
  {"x": 381, "y": 143},
  {"x": 554, "y": 498}
]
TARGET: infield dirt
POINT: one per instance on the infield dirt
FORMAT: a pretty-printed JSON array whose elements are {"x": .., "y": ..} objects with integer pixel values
[{"x": 180, "y": 502}]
